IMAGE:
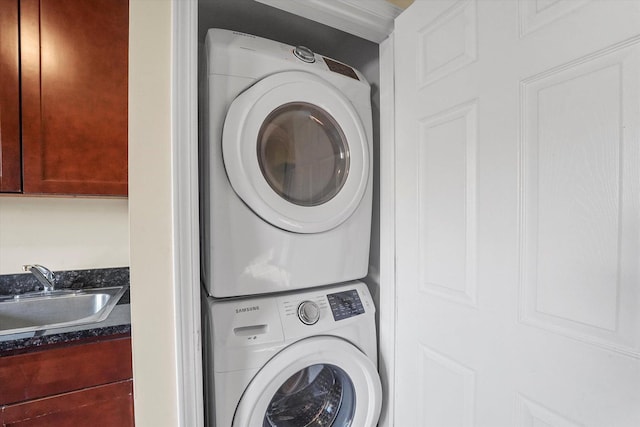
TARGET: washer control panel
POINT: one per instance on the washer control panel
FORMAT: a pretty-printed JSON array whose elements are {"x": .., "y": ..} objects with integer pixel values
[
  {"x": 345, "y": 304},
  {"x": 308, "y": 312},
  {"x": 323, "y": 310}
]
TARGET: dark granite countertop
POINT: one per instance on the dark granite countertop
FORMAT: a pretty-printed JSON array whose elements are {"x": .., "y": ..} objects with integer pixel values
[
  {"x": 116, "y": 325},
  {"x": 37, "y": 343}
]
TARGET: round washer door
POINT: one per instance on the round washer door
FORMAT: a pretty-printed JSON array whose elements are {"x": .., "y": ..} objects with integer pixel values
[
  {"x": 320, "y": 381},
  {"x": 296, "y": 152}
]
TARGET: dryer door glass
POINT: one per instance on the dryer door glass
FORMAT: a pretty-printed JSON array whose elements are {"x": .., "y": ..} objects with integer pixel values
[
  {"x": 303, "y": 154},
  {"x": 317, "y": 396}
]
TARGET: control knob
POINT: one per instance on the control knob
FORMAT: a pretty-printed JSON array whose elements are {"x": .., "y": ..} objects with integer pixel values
[
  {"x": 308, "y": 312},
  {"x": 304, "y": 54}
]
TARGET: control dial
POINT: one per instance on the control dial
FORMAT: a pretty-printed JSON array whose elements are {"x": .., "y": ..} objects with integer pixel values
[
  {"x": 308, "y": 312},
  {"x": 304, "y": 54}
]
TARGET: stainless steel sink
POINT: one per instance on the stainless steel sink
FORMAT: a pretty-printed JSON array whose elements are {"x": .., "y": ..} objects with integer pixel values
[{"x": 56, "y": 309}]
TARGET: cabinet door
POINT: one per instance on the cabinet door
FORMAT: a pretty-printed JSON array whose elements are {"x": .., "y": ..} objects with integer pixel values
[
  {"x": 73, "y": 385},
  {"x": 108, "y": 405},
  {"x": 9, "y": 98},
  {"x": 55, "y": 371},
  {"x": 74, "y": 57}
]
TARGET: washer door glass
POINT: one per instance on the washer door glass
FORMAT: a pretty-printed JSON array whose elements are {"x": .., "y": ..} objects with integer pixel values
[
  {"x": 317, "y": 396},
  {"x": 303, "y": 154},
  {"x": 317, "y": 381}
]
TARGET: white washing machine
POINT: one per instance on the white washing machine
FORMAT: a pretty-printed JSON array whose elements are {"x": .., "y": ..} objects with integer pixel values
[
  {"x": 286, "y": 168},
  {"x": 298, "y": 359}
]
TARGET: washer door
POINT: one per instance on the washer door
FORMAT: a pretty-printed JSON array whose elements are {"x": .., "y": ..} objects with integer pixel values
[
  {"x": 296, "y": 152},
  {"x": 319, "y": 381}
]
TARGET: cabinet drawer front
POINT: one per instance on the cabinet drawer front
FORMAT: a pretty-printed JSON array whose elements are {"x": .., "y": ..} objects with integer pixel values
[
  {"x": 48, "y": 372},
  {"x": 103, "y": 406}
]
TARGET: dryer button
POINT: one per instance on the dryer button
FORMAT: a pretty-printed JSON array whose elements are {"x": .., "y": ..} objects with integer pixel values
[
  {"x": 308, "y": 312},
  {"x": 304, "y": 54}
]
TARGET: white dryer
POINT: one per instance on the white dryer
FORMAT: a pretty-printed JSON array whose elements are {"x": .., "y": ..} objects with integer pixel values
[
  {"x": 286, "y": 168},
  {"x": 297, "y": 359}
]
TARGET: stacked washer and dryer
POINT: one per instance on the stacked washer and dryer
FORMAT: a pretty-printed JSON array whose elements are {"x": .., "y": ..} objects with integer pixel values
[{"x": 286, "y": 173}]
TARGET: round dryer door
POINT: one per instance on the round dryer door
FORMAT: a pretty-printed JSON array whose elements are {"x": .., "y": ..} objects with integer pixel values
[
  {"x": 296, "y": 152},
  {"x": 320, "y": 382}
]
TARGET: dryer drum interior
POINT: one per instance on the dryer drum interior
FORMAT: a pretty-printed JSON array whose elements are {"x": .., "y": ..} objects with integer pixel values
[
  {"x": 303, "y": 153},
  {"x": 316, "y": 396}
]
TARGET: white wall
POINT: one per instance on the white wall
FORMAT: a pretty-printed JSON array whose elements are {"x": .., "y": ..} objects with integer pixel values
[
  {"x": 63, "y": 233},
  {"x": 153, "y": 316}
]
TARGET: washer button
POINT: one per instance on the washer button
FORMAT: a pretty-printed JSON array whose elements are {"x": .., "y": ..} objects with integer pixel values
[
  {"x": 308, "y": 312},
  {"x": 304, "y": 54}
]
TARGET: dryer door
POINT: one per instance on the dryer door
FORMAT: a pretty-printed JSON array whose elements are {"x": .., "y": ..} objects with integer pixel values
[
  {"x": 296, "y": 152},
  {"x": 319, "y": 381}
]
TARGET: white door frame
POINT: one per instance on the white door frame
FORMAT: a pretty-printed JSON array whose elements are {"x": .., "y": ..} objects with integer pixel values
[
  {"x": 184, "y": 144},
  {"x": 387, "y": 297}
]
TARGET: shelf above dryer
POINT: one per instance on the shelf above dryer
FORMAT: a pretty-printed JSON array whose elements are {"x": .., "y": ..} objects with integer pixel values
[{"x": 371, "y": 20}]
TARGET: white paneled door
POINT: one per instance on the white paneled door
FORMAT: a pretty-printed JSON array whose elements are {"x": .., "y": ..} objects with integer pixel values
[{"x": 518, "y": 213}]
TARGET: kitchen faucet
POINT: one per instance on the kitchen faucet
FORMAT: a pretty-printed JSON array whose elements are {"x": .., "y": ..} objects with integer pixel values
[{"x": 43, "y": 275}]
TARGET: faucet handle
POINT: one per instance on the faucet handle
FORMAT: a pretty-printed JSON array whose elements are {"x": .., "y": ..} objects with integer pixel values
[
  {"x": 42, "y": 269},
  {"x": 43, "y": 274}
]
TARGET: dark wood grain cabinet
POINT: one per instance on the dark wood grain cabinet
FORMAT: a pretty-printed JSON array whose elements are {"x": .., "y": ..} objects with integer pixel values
[
  {"x": 73, "y": 61},
  {"x": 85, "y": 384},
  {"x": 10, "y": 169}
]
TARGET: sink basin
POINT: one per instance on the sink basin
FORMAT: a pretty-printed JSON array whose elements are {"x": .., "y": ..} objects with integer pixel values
[{"x": 56, "y": 309}]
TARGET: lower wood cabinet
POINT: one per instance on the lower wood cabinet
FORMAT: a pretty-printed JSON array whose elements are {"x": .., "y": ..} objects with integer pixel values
[
  {"x": 106, "y": 405},
  {"x": 86, "y": 384}
]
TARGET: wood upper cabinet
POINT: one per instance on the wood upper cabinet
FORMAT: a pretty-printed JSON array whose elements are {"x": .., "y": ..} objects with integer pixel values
[
  {"x": 74, "y": 69},
  {"x": 10, "y": 176}
]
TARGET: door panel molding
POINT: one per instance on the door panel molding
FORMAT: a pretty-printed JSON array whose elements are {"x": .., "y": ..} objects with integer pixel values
[
  {"x": 581, "y": 111},
  {"x": 448, "y": 43},
  {"x": 447, "y": 390},
  {"x": 447, "y": 207},
  {"x": 530, "y": 413},
  {"x": 532, "y": 17}
]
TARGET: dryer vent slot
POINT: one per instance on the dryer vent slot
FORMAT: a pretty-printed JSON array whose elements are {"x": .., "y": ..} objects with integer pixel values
[{"x": 245, "y": 331}]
